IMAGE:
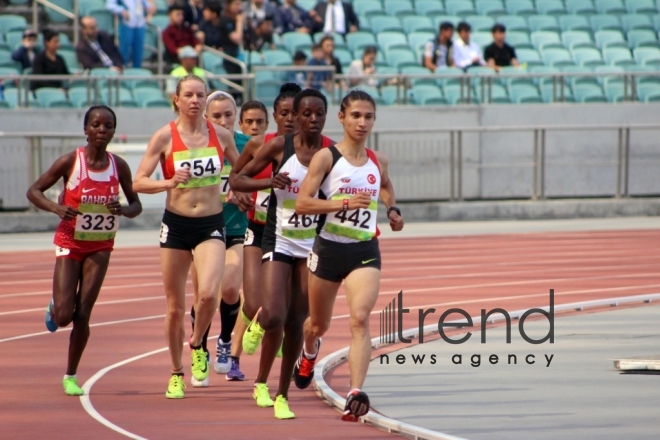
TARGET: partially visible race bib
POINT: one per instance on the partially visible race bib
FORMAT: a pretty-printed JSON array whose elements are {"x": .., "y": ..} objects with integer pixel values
[
  {"x": 205, "y": 166},
  {"x": 224, "y": 183},
  {"x": 95, "y": 224},
  {"x": 261, "y": 205},
  {"x": 297, "y": 226}
]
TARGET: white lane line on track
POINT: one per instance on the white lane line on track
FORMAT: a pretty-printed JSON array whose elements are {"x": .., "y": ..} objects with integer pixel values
[{"x": 50, "y": 292}]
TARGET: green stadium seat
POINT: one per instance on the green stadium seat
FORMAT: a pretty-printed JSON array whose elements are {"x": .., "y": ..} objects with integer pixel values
[
  {"x": 418, "y": 23},
  {"x": 636, "y": 21},
  {"x": 389, "y": 94},
  {"x": 586, "y": 93},
  {"x": 10, "y": 22},
  {"x": 550, "y": 7},
  {"x": 160, "y": 21},
  {"x": 617, "y": 56},
  {"x": 639, "y": 72},
  {"x": 641, "y": 7},
  {"x": 156, "y": 103},
  {"x": 574, "y": 23},
  {"x": 520, "y": 7},
  {"x": 609, "y": 38},
  {"x": 136, "y": 83},
  {"x": 429, "y": 7},
  {"x": 364, "y": 6},
  {"x": 4, "y": 105},
  {"x": 439, "y": 19},
  {"x": 605, "y": 22},
  {"x": 519, "y": 40},
  {"x": 116, "y": 97},
  {"x": 612, "y": 7},
  {"x": 358, "y": 40},
  {"x": 104, "y": 18},
  {"x": 587, "y": 57},
  {"x": 492, "y": 8},
  {"x": 646, "y": 90},
  {"x": 392, "y": 40},
  {"x": 344, "y": 56},
  {"x": 84, "y": 6},
  {"x": 480, "y": 23},
  {"x": 605, "y": 81},
  {"x": 579, "y": 80},
  {"x": 453, "y": 95},
  {"x": 524, "y": 94},
  {"x": 545, "y": 40},
  {"x": 642, "y": 38},
  {"x": 576, "y": 40},
  {"x": 417, "y": 70},
  {"x": 614, "y": 93},
  {"x": 542, "y": 81},
  {"x": 70, "y": 59},
  {"x": 385, "y": 23},
  {"x": 56, "y": 17},
  {"x": 420, "y": 93},
  {"x": 483, "y": 39},
  {"x": 652, "y": 97},
  {"x": 644, "y": 55},
  {"x": 449, "y": 76},
  {"x": 529, "y": 56},
  {"x": 11, "y": 97},
  {"x": 556, "y": 58},
  {"x": 399, "y": 8},
  {"x": 543, "y": 23},
  {"x": 418, "y": 40},
  {"x": 338, "y": 39},
  {"x": 142, "y": 95},
  {"x": 80, "y": 99},
  {"x": 399, "y": 58},
  {"x": 461, "y": 8},
  {"x": 514, "y": 23},
  {"x": 498, "y": 95},
  {"x": 277, "y": 58},
  {"x": 580, "y": 7},
  {"x": 47, "y": 95},
  {"x": 296, "y": 40}
]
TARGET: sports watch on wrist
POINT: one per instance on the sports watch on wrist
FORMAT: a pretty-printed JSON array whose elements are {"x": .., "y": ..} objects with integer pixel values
[{"x": 393, "y": 208}]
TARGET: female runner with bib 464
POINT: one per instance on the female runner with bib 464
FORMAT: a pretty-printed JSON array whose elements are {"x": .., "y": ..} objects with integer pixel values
[
  {"x": 348, "y": 179},
  {"x": 89, "y": 208}
]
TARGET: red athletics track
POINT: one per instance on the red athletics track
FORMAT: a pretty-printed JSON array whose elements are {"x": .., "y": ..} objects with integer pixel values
[{"x": 471, "y": 272}]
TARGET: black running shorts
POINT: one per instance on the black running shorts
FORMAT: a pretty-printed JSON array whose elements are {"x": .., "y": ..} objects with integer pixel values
[
  {"x": 333, "y": 261},
  {"x": 253, "y": 234},
  {"x": 185, "y": 233}
]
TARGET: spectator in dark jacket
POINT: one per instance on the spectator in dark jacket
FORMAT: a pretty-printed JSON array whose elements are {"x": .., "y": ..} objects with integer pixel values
[
  {"x": 334, "y": 16},
  {"x": 209, "y": 27},
  {"x": 49, "y": 62},
  {"x": 260, "y": 37},
  {"x": 27, "y": 52},
  {"x": 293, "y": 18},
  {"x": 193, "y": 11},
  {"x": 97, "y": 48},
  {"x": 176, "y": 35}
]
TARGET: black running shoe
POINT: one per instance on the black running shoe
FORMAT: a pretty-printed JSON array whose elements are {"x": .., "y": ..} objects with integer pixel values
[
  {"x": 357, "y": 405},
  {"x": 303, "y": 371}
]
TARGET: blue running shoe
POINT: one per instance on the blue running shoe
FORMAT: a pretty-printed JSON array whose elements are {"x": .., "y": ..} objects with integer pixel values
[
  {"x": 235, "y": 372},
  {"x": 223, "y": 361},
  {"x": 48, "y": 317}
]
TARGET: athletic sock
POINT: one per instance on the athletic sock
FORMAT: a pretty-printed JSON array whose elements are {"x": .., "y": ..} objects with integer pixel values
[
  {"x": 234, "y": 358},
  {"x": 70, "y": 376},
  {"x": 228, "y": 315},
  {"x": 196, "y": 347},
  {"x": 311, "y": 357},
  {"x": 206, "y": 335}
]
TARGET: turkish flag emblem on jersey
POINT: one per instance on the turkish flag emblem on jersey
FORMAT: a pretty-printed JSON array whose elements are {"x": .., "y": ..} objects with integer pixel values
[{"x": 371, "y": 179}]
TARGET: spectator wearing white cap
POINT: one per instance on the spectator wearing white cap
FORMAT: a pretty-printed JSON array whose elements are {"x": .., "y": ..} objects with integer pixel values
[{"x": 188, "y": 57}]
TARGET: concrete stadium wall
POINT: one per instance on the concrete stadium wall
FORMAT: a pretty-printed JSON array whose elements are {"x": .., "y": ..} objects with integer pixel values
[{"x": 495, "y": 165}]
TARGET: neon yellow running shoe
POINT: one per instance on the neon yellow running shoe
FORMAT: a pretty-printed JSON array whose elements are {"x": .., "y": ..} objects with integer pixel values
[
  {"x": 71, "y": 387},
  {"x": 282, "y": 410},
  {"x": 261, "y": 395},
  {"x": 175, "y": 387},
  {"x": 253, "y": 335},
  {"x": 200, "y": 364}
]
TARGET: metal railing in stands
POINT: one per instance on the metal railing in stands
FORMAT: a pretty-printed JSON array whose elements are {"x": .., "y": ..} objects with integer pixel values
[
  {"x": 68, "y": 14},
  {"x": 159, "y": 49},
  {"x": 38, "y": 150},
  {"x": 239, "y": 86},
  {"x": 467, "y": 84}
]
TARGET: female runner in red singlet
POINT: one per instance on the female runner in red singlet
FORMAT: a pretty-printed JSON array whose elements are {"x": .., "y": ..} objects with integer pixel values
[
  {"x": 191, "y": 151},
  {"x": 89, "y": 208}
]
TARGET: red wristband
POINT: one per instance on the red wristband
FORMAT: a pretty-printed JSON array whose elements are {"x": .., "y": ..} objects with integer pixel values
[{"x": 345, "y": 207}]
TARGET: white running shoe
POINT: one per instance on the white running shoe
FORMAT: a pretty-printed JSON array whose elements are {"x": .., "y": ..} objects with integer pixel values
[{"x": 203, "y": 384}]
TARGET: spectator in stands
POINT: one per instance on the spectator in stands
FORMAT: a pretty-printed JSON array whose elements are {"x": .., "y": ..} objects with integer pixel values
[
  {"x": 319, "y": 80},
  {"x": 328, "y": 46},
  {"x": 231, "y": 34},
  {"x": 334, "y": 16},
  {"x": 49, "y": 62},
  {"x": 466, "y": 53},
  {"x": 360, "y": 70},
  {"x": 260, "y": 37},
  {"x": 257, "y": 10},
  {"x": 298, "y": 76},
  {"x": 500, "y": 54},
  {"x": 97, "y": 48},
  {"x": 176, "y": 35},
  {"x": 293, "y": 18},
  {"x": 134, "y": 15},
  {"x": 188, "y": 57},
  {"x": 438, "y": 52},
  {"x": 209, "y": 27},
  {"x": 193, "y": 10},
  {"x": 27, "y": 51}
]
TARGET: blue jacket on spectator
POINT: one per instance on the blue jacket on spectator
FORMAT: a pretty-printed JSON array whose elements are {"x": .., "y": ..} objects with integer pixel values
[
  {"x": 21, "y": 55},
  {"x": 293, "y": 18}
]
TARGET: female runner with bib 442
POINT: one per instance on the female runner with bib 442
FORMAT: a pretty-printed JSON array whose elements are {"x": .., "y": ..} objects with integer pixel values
[
  {"x": 89, "y": 208},
  {"x": 191, "y": 151},
  {"x": 287, "y": 241},
  {"x": 348, "y": 179}
]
